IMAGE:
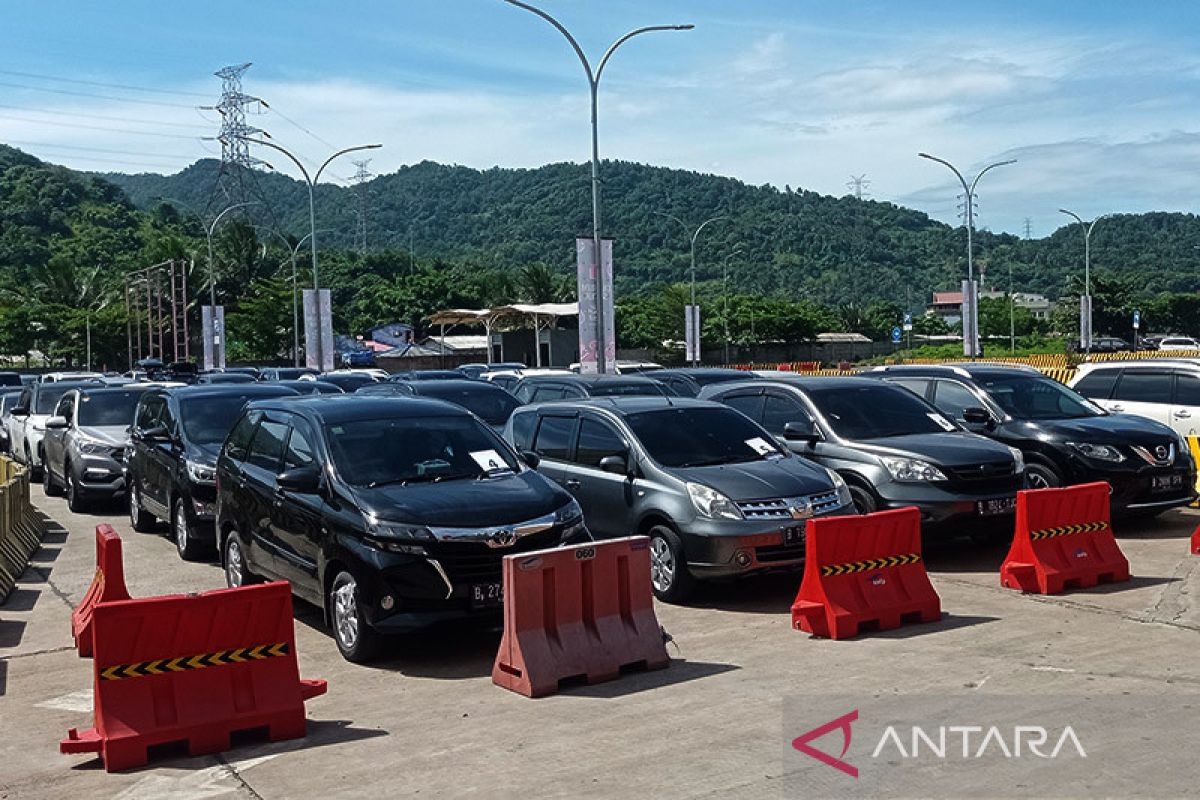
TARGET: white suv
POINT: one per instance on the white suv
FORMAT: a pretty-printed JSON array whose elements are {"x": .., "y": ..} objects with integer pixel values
[
  {"x": 1178, "y": 343},
  {"x": 1163, "y": 389}
]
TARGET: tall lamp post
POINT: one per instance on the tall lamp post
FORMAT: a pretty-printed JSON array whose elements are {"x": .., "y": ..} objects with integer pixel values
[
  {"x": 593, "y": 78},
  {"x": 970, "y": 338},
  {"x": 1085, "y": 306},
  {"x": 212, "y": 269},
  {"x": 694, "y": 234},
  {"x": 292, "y": 251}
]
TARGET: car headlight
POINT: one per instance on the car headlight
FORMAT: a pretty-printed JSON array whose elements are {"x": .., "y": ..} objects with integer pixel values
[
  {"x": 397, "y": 532},
  {"x": 201, "y": 473},
  {"x": 1097, "y": 452},
  {"x": 711, "y": 503},
  {"x": 912, "y": 470},
  {"x": 94, "y": 448},
  {"x": 571, "y": 512},
  {"x": 839, "y": 483},
  {"x": 1018, "y": 460}
]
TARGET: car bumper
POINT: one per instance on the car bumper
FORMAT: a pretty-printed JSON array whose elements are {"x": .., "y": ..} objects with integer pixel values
[
  {"x": 97, "y": 475},
  {"x": 1133, "y": 490},
  {"x": 717, "y": 549},
  {"x": 943, "y": 508}
]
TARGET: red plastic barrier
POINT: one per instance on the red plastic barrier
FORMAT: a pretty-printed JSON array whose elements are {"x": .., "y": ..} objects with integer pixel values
[
  {"x": 864, "y": 572},
  {"x": 578, "y": 612},
  {"x": 108, "y": 585},
  {"x": 193, "y": 668},
  {"x": 1195, "y": 545},
  {"x": 1063, "y": 540}
]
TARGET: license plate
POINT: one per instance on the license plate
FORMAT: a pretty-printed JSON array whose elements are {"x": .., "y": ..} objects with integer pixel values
[
  {"x": 487, "y": 594},
  {"x": 793, "y": 535},
  {"x": 1165, "y": 483},
  {"x": 990, "y": 508}
]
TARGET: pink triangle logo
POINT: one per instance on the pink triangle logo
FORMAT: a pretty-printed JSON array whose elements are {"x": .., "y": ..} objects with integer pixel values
[{"x": 842, "y": 723}]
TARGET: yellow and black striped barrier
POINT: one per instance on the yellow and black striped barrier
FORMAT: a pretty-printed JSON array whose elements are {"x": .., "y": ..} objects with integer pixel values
[
  {"x": 1067, "y": 530},
  {"x": 220, "y": 658},
  {"x": 870, "y": 563},
  {"x": 21, "y": 528}
]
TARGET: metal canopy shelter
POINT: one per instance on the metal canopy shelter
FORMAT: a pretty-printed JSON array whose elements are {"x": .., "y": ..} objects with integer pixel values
[{"x": 543, "y": 315}]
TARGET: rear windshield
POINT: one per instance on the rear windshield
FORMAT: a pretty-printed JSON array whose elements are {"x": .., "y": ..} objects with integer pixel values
[
  {"x": 617, "y": 388},
  {"x": 374, "y": 452},
  {"x": 491, "y": 404},
  {"x": 106, "y": 409},
  {"x": 208, "y": 420},
  {"x": 876, "y": 412},
  {"x": 699, "y": 437}
]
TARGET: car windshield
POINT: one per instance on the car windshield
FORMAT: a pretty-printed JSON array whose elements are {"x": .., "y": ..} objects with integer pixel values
[
  {"x": 1036, "y": 398},
  {"x": 374, "y": 452},
  {"x": 491, "y": 404},
  {"x": 698, "y": 437},
  {"x": 876, "y": 412},
  {"x": 208, "y": 420},
  {"x": 48, "y": 396},
  {"x": 8, "y": 401},
  {"x": 107, "y": 409},
  {"x": 623, "y": 389}
]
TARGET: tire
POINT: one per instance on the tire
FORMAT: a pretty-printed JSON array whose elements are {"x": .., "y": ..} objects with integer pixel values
[
  {"x": 233, "y": 561},
  {"x": 76, "y": 499},
  {"x": 357, "y": 641},
  {"x": 141, "y": 520},
  {"x": 35, "y": 473},
  {"x": 669, "y": 576},
  {"x": 864, "y": 500},
  {"x": 51, "y": 488},
  {"x": 1040, "y": 476},
  {"x": 190, "y": 549}
]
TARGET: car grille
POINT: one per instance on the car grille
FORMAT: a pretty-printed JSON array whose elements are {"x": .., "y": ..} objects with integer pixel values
[
  {"x": 984, "y": 478},
  {"x": 475, "y": 562},
  {"x": 781, "y": 507}
]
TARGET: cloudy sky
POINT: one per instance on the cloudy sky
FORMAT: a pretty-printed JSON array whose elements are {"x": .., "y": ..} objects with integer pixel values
[{"x": 1096, "y": 100}]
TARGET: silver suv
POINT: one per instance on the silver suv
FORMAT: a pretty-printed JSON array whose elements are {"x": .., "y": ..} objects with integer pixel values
[{"x": 85, "y": 442}]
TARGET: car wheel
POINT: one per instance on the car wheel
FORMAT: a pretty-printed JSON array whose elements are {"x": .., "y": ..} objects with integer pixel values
[
  {"x": 48, "y": 485},
  {"x": 141, "y": 520},
  {"x": 1040, "y": 476},
  {"x": 35, "y": 472},
  {"x": 237, "y": 570},
  {"x": 181, "y": 531},
  {"x": 357, "y": 641},
  {"x": 669, "y": 574},
  {"x": 76, "y": 500},
  {"x": 864, "y": 501}
]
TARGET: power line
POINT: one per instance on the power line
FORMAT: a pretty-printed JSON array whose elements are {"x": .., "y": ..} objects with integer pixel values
[
  {"x": 81, "y": 82},
  {"x": 54, "y": 146},
  {"x": 94, "y": 96},
  {"x": 76, "y": 115},
  {"x": 288, "y": 119},
  {"x": 99, "y": 128}
]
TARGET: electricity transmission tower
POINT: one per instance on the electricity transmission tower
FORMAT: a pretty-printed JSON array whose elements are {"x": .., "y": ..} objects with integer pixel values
[
  {"x": 235, "y": 151},
  {"x": 1028, "y": 228},
  {"x": 858, "y": 185},
  {"x": 360, "y": 178}
]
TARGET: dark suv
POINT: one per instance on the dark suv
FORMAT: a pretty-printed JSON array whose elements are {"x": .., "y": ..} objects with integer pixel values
[
  {"x": 893, "y": 449},
  {"x": 170, "y": 463},
  {"x": 541, "y": 388},
  {"x": 687, "y": 382},
  {"x": 389, "y": 513},
  {"x": 713, "y": 491},
  {"x": 1066, "y": 438},
  {"x": 490, "y": 403}
]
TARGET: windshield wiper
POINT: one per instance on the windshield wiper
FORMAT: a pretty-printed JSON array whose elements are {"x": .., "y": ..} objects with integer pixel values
[
  {"x": 417, "y": 479},
  {"x": 711, "y": 462}
]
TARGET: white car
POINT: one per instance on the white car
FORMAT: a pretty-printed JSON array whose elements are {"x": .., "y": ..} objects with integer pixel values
[
  {"x": 1166, "y": 390},
  {"x": 27, "y": 420},
  {"x": 1179, "y": 343},
  {"x": 59, "y": 377}
]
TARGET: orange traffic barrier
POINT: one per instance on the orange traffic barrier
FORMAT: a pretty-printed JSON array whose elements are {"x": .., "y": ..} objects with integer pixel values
[
  {"x": 1195, "y": 544},
  {"x": 864, "y": 572},
  {"x": 193, "y": 669},
  {"x": 1064, "y": 540},
  {"x": 582, "y": 612},
  {"x": 108, "y": 585}
]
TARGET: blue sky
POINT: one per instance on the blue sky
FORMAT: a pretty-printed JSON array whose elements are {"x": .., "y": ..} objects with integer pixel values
[{"x": 1098, "y": 101}]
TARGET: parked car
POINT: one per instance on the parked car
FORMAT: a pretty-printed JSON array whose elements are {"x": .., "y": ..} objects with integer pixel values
[
  {"x": 507, "y": 378},
  {"x": 8, "y": 399},
  {"x": 388, "y": 513},
  {"x": 27, "y": 421},
  {"x": 1066, "y": 438},
  {"x": 85, "y": 444},
  {"x": 59, "y": 377},
  {"x": 1110, "y": 344},
  {"x": 1166, "y": 390},
  {"x": 689, "y": 382},
  {"x": 476, "y": 371},
  {"x": 427, "y": 375},
  {"x": 209, "y": 378},
  {"x": 1178, "y": 343},
  {"x": 286, "y": 373},
  {"x": 347, "y": 381},
  {"x": 892, "y": 448},
  {"x": 541, "y": 388},
  {"x": 12, "y": 379},
  {"x": 170, "y": 462},
  {"x": 625, "y": 367},
  {"x": 358, "y": 358},
  {"x": 490, "y": 403},
  {"x": 718, "y": 497},
  {"x": 311, "y": 387}
]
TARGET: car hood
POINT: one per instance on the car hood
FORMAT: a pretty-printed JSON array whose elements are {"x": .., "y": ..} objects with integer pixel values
[
  {"x": 756, "y": 480},
  {"x": 1111, "y": 429},
  {"x": 945, "y": 449},
  {"x": 109, "y": 434},
  {"x": 466, "y": 503}
]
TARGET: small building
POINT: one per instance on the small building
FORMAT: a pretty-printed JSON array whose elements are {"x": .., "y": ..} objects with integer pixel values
[
  {"x": 393, "y": 334},
  {"x": 948, "y": 305}
]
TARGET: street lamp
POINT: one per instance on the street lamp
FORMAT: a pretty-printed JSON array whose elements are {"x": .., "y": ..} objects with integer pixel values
[
  {"x": 212, "y": 270},
  {"x": 295, "y": 288},
  {"x": 694, "y": 234},
  {"x": 593, "y": 78},
  {"x": 970, "y": 338},
  {"x": 1085, "y": 308}
]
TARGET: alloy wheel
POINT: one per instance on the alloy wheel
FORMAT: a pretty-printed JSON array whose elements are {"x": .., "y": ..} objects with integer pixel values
[
  {"x": 135, "y": 504},
  {"x": 181, "y": 529},
  {"x": 662, "y": 564},
  {"x": 233, "y": 563},
  {"x": 345, "y": 613}
]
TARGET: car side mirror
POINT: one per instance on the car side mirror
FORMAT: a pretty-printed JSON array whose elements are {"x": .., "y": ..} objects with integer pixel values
[
  {"x": 156, "y": 434},
  {"x": 977, "y": 416},
  {"x": 532, "y": 459},
  {"x": 302, "y": 480},
  {"x": 57, "y": 424},
  {"x": 801, "y": 432},
  {"x": 617, "y": 465},
  {"x": 19, "y": 411}
]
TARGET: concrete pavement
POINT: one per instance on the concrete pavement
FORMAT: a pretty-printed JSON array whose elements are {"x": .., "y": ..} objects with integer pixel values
[{"x": 427, "y": 722}]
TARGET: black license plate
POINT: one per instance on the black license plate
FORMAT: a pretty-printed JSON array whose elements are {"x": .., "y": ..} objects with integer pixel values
[
  {"x": 486, "y": 595},
  {"x": 793, "y": 535},
  {"x": 991, "y": 508},
  {"x": 1166, "y": 483}
]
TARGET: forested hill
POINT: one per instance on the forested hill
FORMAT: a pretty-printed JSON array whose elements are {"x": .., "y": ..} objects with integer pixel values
[{"x": 791, "y": 242}]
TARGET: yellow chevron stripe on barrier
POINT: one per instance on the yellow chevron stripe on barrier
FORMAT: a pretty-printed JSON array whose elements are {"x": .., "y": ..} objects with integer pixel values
[
  {"x": 871, "y": 563},
  {"x": 219, "y": 658},
  {"x": 1067, "y": 530},
  {"x": 1194, "y": 449}
]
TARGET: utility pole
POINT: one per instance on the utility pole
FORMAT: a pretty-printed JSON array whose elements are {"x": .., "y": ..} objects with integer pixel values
[
  {"x": 1085, "y": 302},
  {"x": 858, "y": 184},
  {"x": 360, "y": 178},
  {"x": 694, "y": 311}
]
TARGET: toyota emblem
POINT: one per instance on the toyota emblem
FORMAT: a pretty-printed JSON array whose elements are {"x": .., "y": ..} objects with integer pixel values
[
  {"x": 501, "y": 537},
  {"x": 1162, "y": 452}
]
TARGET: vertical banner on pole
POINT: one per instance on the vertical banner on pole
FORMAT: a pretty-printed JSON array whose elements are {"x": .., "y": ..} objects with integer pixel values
[
  {"x": 1085, "y": 322},
  {"x": 691, "y": 332},
  {"x": 219, "y": 336},
  {"x": 206, "y": 334},
  {"x": 591, "y": 315},
  {"x": 326, "y": 317},
  {"x": 318, "y": 330},
  {"x": 606, "y": 308},
  {"x": 970, "y": 320},
  {"x": 213, "y": 335}
]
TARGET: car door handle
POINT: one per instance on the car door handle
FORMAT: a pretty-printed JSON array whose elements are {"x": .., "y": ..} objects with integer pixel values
[
  {"x": 571, "y": 483},
  {"x": 1182, "y": 414},
  {"x": 1116, "y": 407}
]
